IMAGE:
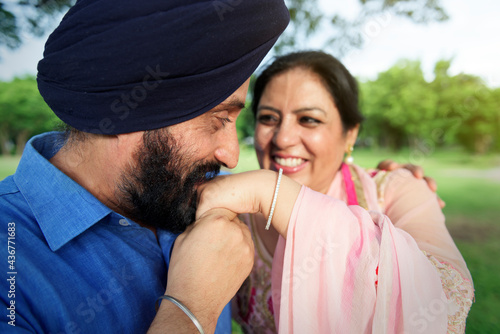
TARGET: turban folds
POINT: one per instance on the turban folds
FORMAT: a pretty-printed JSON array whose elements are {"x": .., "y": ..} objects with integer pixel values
[{"x": 119, "y": 66}]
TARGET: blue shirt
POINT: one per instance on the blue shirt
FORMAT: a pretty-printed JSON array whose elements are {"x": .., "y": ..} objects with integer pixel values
[{"x": 69, "y": 264}]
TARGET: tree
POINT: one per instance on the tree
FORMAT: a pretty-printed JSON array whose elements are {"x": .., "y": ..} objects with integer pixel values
[
  {"x": 27, "y": 16},
  {"x": 245, "y": 123},
  {"x": 478, "y": 122},
  {"x": 495, "y": 98},
  {"x": 307, "y": 17},
  {"x": 399, "y": 106},
  {"x": 467, "y": 109},
  {"x": 23, "y": 113},
  {"x": 403, "y": 109}
]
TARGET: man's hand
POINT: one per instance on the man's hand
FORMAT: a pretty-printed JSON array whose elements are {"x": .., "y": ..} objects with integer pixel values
[
  {"x": 417, "y": 172},
  {"x": 209, "y": 262}
]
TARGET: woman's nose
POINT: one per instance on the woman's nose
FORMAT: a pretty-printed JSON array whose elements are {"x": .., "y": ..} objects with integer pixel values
[{"x": 285, "y": 135}]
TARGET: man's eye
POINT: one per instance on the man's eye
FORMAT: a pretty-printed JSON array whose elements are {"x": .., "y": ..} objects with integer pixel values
[{"x": 224, "y": 121}]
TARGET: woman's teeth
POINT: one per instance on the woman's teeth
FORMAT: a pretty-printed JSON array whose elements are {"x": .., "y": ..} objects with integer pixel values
[{"x": 289, "y": 162}]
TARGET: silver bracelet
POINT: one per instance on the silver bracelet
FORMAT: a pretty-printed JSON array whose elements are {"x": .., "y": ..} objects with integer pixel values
[
  {"x": 183, "y": 308},
  {"x": 274, "y": 199}
]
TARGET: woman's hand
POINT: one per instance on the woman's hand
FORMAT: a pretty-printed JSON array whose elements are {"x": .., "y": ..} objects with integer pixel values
[
  {"x": 234, "y": 192},
  {"x": 417, "y": 171},
  {"x": 250, "y": 192}
]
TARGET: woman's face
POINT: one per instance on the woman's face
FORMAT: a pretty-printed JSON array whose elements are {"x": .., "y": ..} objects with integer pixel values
[{"x": 299, "y": 129}]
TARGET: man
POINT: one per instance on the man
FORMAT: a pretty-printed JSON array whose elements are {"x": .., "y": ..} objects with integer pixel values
[{"x": 151, "y": 92}]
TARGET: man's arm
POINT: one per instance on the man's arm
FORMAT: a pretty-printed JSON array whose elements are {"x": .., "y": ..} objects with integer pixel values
[
  {"x": 170, "y": 319},
  {"x": 209, "y": 263}
]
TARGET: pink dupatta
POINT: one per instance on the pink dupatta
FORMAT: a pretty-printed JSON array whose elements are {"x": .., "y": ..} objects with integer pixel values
[
  {"x": 325, "y": 277},
  {"x": 350, "y": 188}
]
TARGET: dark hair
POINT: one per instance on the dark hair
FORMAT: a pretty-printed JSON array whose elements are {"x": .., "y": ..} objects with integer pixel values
[{"x": 337, "y": 79}]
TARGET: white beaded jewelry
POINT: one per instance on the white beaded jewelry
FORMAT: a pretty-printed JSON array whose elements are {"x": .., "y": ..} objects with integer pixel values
[{"x": 274, "y": 199}]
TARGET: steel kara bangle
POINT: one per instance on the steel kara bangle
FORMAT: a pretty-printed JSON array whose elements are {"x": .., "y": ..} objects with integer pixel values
[{"x": 183, "y": 308}]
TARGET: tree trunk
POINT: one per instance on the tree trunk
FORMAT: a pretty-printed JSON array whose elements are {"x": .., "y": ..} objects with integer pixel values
[
  {"x": 21, "y": 140},
  {"x": 3, "y": 143},
  {"x": 482, "y": 143}
]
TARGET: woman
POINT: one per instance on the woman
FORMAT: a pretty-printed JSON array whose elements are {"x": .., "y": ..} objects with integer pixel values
[{"x": 306, "y": 107}]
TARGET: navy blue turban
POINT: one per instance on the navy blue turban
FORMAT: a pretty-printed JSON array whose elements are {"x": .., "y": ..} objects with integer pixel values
[{"x": 119, "y": 66}]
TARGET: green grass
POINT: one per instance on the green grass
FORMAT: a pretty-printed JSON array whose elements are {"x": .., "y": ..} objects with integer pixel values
[
  {"x": 8, "y": 165},
  {"x": 472, "y": 195}
]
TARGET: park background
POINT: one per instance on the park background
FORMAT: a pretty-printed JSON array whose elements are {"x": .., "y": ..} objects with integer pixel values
[{"x": 429, "y": 81}]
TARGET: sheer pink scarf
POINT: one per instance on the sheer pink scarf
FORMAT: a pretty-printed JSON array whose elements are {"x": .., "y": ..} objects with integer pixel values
[{"x": 325, "y": 277}]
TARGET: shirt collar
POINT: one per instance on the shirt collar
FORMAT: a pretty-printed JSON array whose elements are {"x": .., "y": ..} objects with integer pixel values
[{"x": 62, "y": 208}]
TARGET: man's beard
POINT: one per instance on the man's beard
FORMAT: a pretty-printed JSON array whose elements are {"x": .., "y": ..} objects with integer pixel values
[{"x": 160, "y": 190}]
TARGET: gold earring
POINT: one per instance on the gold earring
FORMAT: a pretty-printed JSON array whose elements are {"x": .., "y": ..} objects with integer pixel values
[{"x": 349, "y": 159}]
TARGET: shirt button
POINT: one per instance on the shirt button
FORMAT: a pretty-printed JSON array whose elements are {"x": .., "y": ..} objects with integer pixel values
[{"x": 123, "y": 222}]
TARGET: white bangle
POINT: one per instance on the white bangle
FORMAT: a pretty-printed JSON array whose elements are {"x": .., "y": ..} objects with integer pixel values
[
  {"x": 274, "y": 199},
  {"x": 183, "y": 309}
]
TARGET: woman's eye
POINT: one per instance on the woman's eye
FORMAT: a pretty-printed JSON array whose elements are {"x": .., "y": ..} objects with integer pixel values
[
  {"x": 309, "y": 120},
  {"x": 267, "y": 119}
]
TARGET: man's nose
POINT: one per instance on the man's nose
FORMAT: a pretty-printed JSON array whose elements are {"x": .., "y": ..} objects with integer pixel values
[{"x": 228, "y": 151}]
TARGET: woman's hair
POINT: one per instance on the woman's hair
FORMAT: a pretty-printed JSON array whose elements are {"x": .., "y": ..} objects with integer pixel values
[{"x": 336, "y": 78}]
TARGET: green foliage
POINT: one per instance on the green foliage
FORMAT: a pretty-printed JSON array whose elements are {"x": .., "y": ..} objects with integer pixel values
[
  {"x": 308, "y": 17},
  {"x": 247, "y": 161},
  {"x": 403, "y": 109},
  {"x": 31, "y": 16},
  {"x": 235, "y": 328},
  {"x": 23, "y": 113},
  {"x": 245, "y": 124},
  {"x": 398, "y": 105},
  {"x": 8, "y": 30},
  {"x": 470, "y": 109}
]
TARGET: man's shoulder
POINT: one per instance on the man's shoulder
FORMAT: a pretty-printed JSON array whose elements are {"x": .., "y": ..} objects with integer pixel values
[
  {"x": 8, "y": 186},
  {"x": 9, "y": 193},
  {"x": 13, "y": 205}
]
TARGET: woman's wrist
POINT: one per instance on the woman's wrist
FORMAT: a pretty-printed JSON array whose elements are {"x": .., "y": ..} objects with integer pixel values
[
  {"x": 251, "y": 192},
  {"x": 285, "y": 200}
]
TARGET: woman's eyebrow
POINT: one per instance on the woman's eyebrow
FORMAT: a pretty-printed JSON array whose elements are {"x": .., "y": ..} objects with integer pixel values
[
  {"x": 264, "y": 107},
  {"x": 308, "y": 109}
]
